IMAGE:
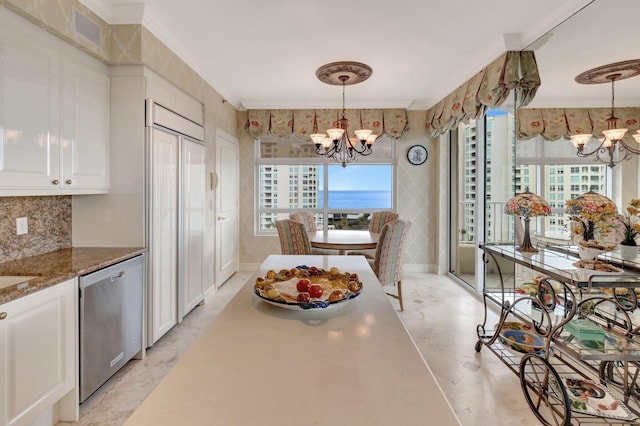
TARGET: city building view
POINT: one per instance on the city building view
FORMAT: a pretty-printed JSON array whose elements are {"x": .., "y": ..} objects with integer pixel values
[{"x": 554, "y": 182}]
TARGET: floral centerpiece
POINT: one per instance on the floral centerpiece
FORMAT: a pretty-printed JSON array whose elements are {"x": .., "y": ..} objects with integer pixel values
[
  {"x": 592, "y": 214},
  {"x": 630, "y": 224}
]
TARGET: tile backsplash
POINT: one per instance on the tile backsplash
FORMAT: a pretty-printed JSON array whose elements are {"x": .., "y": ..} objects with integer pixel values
[{"x": 49, "y": 225}]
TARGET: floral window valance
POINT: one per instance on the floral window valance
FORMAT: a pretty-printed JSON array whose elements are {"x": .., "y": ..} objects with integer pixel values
[
  {"x": 303, "y": 122},
  {"x": 487, "y": 89},
  {"x": 554, "y": 123}
]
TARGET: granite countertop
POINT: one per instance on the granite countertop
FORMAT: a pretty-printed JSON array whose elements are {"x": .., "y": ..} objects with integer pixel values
[{"x": 61, "y": 265}]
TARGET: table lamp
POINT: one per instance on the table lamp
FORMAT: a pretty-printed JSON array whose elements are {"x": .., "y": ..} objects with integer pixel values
[{"x": 527, "y": 205}]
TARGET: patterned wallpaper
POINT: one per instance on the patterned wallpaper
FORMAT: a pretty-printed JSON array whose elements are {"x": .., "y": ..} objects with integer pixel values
[
  {"x": 48, "y": 221},
  {"x": 417, "y": 195}
]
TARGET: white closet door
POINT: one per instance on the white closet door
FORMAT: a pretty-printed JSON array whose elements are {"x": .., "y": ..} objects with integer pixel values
[
  {"x": 164, "y": 233},
  {"x": 193, "y": 223},
  {"x": 227, "y": 164}
]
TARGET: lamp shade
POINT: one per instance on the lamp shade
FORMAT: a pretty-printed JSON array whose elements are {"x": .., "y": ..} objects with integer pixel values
[
  {"x": 591, "y": 206},
  {"x": 527, "y": 205}
]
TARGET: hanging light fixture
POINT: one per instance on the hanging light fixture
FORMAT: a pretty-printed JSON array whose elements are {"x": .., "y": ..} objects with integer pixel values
[
  {"x": 612, "y": 141},
  {"x": 337, "y": 144}
]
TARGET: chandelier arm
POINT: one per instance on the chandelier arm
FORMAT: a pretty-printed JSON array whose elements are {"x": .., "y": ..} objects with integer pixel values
[
  {"x": 599, "y": 148},
  {"x": 609, "y": 161},
  {"x": 625, "y": 147}
]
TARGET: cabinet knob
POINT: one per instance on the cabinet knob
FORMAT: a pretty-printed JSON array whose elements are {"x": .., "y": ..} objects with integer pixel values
[
  {"x": 3, "y": 315},
  {"x": 68, "y": 182},
  {"x": 55, "y": 181}
]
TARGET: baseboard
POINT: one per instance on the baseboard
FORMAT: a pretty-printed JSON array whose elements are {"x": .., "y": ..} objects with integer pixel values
[
  {"x": 421, "y": 268},
  {"x": 248, "y": 267}
]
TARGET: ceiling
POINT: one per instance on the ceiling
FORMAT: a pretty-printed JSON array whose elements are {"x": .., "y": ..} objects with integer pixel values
[{"x": 264, "y": 54}]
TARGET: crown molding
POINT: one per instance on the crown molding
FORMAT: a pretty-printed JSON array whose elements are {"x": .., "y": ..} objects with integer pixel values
[{"x": 116, "y": 12}]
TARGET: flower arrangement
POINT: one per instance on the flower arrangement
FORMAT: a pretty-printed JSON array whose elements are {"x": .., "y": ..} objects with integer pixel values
[
  {"x": 592, "y": 214},
  {"x": 630, "y": 224}
]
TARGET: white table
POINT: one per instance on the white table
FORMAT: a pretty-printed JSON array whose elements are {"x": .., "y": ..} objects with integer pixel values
[
  {"x": 259, "y": 364},
  {"x": 343, "y": 239}
]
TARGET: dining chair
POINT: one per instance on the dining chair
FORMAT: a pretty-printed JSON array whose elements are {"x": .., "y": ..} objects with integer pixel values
[
  {"x": 293, "y": 237},
  {"x": 387, "y": 262},
  {"x": 306, "y": 218},
  {"x": 377, "y": 221}
]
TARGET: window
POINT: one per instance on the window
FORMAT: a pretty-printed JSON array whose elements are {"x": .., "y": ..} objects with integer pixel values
[
  {"x": 553, "y": 160},
  {"x": 340, "y": 197}
]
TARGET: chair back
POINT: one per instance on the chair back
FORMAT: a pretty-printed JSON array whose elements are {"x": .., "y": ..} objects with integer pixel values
[
  {"x": 306, "y": 218},
  {"x": 379, "y": 219},
  {"x": 293, "y": 237},
  {"x": 387, "y": 263}
]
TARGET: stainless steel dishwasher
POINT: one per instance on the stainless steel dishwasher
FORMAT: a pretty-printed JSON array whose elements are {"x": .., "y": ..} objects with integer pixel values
[{"x": 110, "y": 321}]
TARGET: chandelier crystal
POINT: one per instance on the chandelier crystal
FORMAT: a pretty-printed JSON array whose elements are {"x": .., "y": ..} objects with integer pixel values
[
  {"x": 337, "y": 144},
  {"x": 612, "y": 148}
]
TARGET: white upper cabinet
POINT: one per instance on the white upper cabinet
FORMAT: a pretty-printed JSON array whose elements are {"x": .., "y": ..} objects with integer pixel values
[
  {"x": 54, "y": 114},
  {"x": 29, "y": 114},
  {"x": 85, "y": 126}
]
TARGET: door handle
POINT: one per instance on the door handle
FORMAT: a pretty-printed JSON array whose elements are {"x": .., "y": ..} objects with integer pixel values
[{"x": 221, "y": 218}]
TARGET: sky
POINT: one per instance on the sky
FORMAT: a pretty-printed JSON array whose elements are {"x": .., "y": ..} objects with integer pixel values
[{"x": 359, "y": 177}]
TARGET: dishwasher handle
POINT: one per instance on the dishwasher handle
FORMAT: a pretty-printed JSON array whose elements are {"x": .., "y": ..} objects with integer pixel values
[{"x": 117, "y": 276}]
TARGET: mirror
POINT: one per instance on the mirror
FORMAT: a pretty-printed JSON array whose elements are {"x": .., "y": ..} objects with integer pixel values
[{"x": 603, "y": 32}]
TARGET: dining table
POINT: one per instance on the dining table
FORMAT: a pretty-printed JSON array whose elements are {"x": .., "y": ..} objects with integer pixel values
[
  {"x": 343, "y": 239},
  {"x": 353, "y": 363}
]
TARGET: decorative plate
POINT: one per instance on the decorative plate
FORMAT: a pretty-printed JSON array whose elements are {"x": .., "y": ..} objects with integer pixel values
[
  {"x": 594, "y": 245},
  {"x": 520, "y": 338},
  {"x": 281, "y": 288},
  {"x": 591, "y": 398},
  {"x": 596, "y": 267},
  {"x": 521, "y": 341},
  {"x": 417, "y": 155}
]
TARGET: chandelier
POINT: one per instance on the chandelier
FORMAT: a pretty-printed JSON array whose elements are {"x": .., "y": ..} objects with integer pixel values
[
  {"x": 612, "y": 142},
  {"x": 336, "y": 144}
]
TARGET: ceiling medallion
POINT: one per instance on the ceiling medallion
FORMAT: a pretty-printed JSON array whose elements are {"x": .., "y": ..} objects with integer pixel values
[
  {"x": 355, "y": 72},
  {"x": 603, "y": 74}
]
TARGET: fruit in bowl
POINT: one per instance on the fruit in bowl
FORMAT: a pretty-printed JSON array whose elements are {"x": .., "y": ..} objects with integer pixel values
[{"x": 308, "y": 287}]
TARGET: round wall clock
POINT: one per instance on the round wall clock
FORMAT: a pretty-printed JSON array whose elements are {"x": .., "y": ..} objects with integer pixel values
[{"x": 417, "y": 155}]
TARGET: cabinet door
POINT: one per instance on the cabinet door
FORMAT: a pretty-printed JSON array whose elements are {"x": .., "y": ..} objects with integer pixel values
[
  {"x": 163, "y": 242},
  {"x": 85, "y": 125},
  {"x": 29, "y": 113},
  {"x": 193, "y": 223},
  {"x": 38, "y": 352}
]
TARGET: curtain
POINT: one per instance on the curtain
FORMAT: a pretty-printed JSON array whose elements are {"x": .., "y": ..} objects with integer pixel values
[
  {"x": 487, "y": 89},
  {"x": 302, "y": 123},
  {"x": 555, "y": 123}
]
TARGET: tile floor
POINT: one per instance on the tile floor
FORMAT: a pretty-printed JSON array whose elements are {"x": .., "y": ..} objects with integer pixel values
[{"x": 440, "y": 315}]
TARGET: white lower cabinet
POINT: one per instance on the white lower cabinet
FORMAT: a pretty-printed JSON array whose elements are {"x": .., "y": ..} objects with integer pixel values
[{"x": 37, "y": 353}]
